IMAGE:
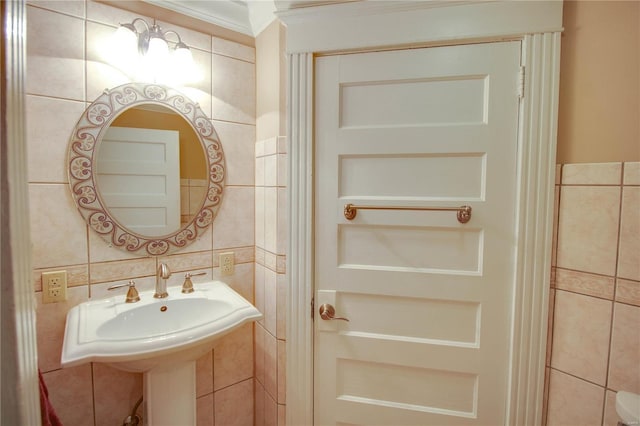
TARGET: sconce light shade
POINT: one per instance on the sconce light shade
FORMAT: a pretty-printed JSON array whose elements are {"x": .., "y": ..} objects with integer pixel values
[
  {"x": 126, "y": 38},
  {"x": 122, "y": 49},
  {"x": 127, "y": 33},
  {"x": 158, "y": 50},
  {"x": 151, "y": 51},
  {"x": 183, "y": 55}
]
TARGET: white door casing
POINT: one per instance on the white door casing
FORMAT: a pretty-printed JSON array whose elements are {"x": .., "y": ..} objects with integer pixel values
[
  {"x": 365, "y": 26},
  {"x": 139, "y": 178},
  {"x": 19, "y": 394},
  {"x": 429, "y": 298}
]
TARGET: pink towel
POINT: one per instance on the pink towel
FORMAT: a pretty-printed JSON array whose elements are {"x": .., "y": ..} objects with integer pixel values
[{"x": 48, "y": 414}]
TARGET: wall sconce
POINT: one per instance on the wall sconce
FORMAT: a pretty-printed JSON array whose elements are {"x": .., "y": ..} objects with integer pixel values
[{"x": 150, "y": 49}]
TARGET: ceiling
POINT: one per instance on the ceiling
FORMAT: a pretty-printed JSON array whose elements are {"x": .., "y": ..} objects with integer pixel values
[{"x": 248, "y": 17}]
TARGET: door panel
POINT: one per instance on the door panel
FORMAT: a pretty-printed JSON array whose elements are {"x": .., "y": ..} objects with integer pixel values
[
  {"x": 442, "y": 321},
  {"x": 428, "y": 299},
  {"x": 395, "y": 386},
  {"x": 415, "y": 177},
  {"x": 139, "y": 178},
  {"x": 402, "y": 248},
  {"x": 432, "y": 102}
]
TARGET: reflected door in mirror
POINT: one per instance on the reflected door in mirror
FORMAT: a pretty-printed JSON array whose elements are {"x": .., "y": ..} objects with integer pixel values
[
  {"x": 139, "y": 178},
  {"x": 147, "y": 228}
]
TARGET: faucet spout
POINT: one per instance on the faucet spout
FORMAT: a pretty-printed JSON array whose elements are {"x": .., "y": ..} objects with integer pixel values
[{"x": 161, "y": 281}]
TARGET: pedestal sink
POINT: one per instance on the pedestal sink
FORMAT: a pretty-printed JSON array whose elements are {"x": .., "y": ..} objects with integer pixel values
[{"x": 161, "y": 338}]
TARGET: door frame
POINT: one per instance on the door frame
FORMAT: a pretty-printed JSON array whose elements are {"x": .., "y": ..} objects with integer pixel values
[
  {"x": 319, "y": 29},
  {"x": 20, "y": 397}
]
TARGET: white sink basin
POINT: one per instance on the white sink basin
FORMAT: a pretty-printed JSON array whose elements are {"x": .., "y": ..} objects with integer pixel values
[
  {"x": 148, "y": 321},
  {"x": 151, "y": 333}
]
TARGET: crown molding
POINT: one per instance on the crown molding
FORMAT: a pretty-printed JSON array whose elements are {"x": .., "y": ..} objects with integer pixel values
[
  {"x": 243, "y": 16},
  {"x": 261, "y": 15},
  {"x": 233, "y": 15},
  {"x": 284, "y": 5}
]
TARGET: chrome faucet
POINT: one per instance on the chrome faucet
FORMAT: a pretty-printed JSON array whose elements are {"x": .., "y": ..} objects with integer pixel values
[{"x": 161, "y": 281}]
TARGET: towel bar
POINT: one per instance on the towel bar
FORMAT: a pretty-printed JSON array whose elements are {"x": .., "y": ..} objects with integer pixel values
[{"x": 464, "y": 212}]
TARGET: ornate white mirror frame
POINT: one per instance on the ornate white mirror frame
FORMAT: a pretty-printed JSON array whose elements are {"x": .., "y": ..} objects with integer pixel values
[{"x": 82, "y": 154}]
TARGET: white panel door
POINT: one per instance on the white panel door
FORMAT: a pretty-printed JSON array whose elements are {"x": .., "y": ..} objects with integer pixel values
[
  {"x": 139, "y": 178},
  {"x": 429, "y": 299}
]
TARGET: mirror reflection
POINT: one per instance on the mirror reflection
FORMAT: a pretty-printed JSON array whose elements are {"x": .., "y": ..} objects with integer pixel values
[
  {"x": 146, "y": 169},
  {"x": 151, "y": 170}
]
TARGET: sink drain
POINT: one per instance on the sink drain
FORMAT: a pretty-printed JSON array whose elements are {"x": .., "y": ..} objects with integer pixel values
[{"x": 163, "y": 308}]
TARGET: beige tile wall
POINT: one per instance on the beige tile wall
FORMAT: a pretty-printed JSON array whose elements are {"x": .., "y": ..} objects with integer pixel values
[
  {"x": 270, "y": 282},
  {"x": 594, "y": 343},
  {"x": 66, "y": 70}
]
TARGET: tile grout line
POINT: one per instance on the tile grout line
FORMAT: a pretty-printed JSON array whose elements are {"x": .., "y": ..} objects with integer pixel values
[
  {"x": 87, "y": 227},
  {"x": 552, "y": 309},
  {"x": 555, "y": 282},
  {"x": 595, "y": 297},
  {"x": 613, "y": 302},
  {"x": 580, "y": 378}
]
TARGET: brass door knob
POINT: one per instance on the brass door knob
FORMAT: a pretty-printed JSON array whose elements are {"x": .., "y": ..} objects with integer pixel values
[{"x": 327, "y": 312}]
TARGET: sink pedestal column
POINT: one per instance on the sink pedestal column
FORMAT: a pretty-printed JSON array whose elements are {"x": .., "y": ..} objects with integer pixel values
[{"x": 170, "y": 394}]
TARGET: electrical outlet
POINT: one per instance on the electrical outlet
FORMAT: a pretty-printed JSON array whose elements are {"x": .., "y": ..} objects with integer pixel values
[
  {"x": 226, "y": 263},
  {"x": 54, "y": 286}
]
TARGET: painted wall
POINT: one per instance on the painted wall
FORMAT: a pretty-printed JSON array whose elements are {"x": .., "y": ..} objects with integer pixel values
[
  {"x": 599, "y": 107},
  {"x": 270, "y": 226},
  {"x": 65, "y": 71}
]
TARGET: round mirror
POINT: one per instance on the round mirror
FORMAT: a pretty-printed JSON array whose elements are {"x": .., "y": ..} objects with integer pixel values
[{"x": 146, "y": 169}]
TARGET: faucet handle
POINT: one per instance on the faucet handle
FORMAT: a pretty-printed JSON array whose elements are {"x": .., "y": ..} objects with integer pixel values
[
  {"x": 187, "y": 286},
  {"x": 132, "y": 293}
]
